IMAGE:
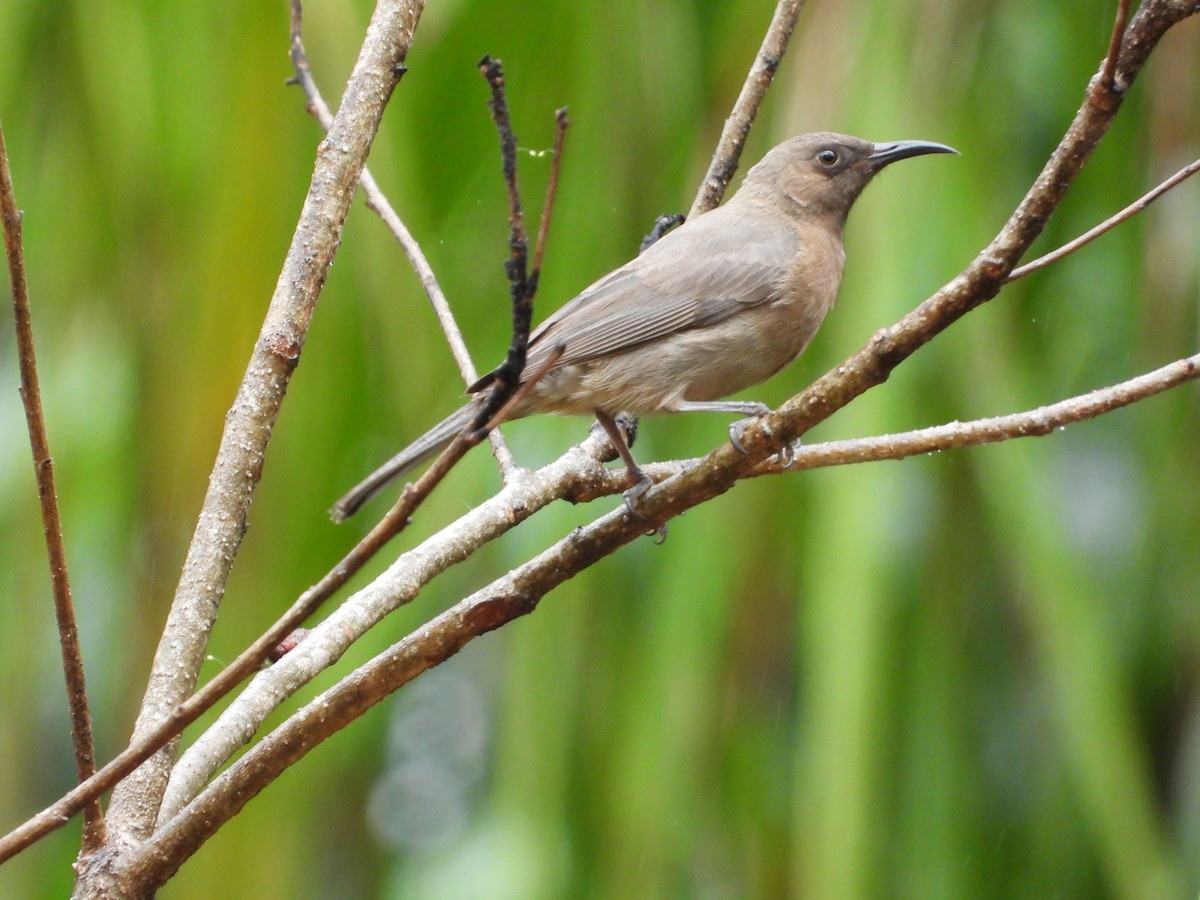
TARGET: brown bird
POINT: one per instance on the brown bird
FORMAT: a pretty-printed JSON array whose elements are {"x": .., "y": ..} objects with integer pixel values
[{"x": 722, "y": 303}]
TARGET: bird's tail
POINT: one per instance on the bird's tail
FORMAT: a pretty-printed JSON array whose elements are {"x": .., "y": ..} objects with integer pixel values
[{"x": 429, "y": 444}]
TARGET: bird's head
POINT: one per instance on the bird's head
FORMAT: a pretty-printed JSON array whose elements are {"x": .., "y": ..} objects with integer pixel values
[{"x": 823, "y": 173}]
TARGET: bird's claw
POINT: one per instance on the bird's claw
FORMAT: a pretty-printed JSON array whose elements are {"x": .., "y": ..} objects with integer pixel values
[
  {"x": 633, "y": 495},
  {"x": 738, "y": 428},
  {"x": 786, "y": 455}
]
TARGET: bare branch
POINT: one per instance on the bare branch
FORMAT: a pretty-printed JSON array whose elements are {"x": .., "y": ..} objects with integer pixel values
[
  {"x": 381, "y": 206},
  {"x": 1032, "y": 423},
  {"x": 1107, "y": 225},
  {"x": 737, "y": 126},
  {"x": 94, "y": 833}
]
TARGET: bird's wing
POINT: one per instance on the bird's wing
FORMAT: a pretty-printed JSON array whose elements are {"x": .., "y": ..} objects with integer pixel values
[{"x": 696, "y": 276}]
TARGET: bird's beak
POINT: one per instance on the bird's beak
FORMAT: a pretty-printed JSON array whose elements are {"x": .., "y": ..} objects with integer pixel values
[{"x": 886, "y": 154}]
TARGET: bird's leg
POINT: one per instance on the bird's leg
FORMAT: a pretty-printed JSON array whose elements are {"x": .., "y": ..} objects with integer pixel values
[
  {"x": 748, "y": 408},
  {"x": 639, "y": 481}
]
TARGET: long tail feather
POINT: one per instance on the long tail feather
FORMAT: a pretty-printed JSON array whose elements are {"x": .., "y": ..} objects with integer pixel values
[{"x": 427, "y": 445}]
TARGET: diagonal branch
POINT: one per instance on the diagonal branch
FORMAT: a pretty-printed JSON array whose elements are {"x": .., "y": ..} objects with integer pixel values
[
  {"x": 43, "y": 468},
  {"x": 577, "y": 475},
  {"x": 379, "y": 204},
  {"x": 1107, "y": 225},
  {"x": 979, "y": 282},
  {"x": 561, "y": 123},
  {"x": 737, "y": 126}
]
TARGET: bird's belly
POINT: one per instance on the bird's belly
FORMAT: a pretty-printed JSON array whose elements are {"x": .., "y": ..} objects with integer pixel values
[{"x": 699, "y": 364}]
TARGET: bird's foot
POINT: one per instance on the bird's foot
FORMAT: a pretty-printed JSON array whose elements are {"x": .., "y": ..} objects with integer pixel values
[
  {"x": 633, "y": 496},
  {"x": 738, "y": 428},
  {"x": 786, "y": 455}
]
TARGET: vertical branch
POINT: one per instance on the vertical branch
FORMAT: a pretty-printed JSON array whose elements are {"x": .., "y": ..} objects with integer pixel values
[
  {"x": 741, "y": 117},
  {"x": 507, "y": 377},
  {"x": 43, "y": 467}
]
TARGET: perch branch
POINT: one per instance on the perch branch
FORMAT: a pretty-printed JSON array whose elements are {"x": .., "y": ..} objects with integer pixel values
[
  {"x": 43, "y": 469},
  {"x": 578, "y": 475},
  {"x": 518, "y": 593}
]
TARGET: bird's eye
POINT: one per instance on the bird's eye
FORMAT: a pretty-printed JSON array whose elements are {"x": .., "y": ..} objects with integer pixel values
[{"x": 827, "y": 157}]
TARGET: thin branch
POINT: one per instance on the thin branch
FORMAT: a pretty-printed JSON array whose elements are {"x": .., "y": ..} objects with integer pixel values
[
  {"x": 737, "y": 126},
  {"x": 561, "y": 123},
  {"x": 378, "y": 203},
  {"x": 1107, "y": 225},
  {"x": 1030, "y": 423},
  {"x": 1033, "y": 423},
  {"x": 238, "y": 466},
  {"x": 94, "y": 834}
]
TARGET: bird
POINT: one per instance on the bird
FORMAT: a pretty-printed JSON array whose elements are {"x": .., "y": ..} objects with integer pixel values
[{"x": 719, "y": 304}]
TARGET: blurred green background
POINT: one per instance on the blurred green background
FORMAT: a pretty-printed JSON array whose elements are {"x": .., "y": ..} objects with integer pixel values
[{"x": 968, "y": 675}]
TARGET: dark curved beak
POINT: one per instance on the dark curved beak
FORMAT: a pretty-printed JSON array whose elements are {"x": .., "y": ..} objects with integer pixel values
[{"x": 886, "y": 154}]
